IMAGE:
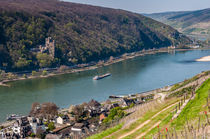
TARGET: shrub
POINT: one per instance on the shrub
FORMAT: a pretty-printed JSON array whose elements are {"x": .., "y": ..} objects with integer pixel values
[
  {"x": 44, "y": 73},
  {"x": 51, "y": 126},
  {"x": 34, "y": 73},
  {"x": 115, "y": 113}
]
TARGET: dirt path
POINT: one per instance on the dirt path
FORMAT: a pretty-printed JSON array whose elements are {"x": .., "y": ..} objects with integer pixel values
[
  {"x": 143, "y": 134},
  {"x": 146, "y": 122}
]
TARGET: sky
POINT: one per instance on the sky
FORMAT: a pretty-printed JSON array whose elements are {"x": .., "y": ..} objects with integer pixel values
[{"x": 149, "y": 6}]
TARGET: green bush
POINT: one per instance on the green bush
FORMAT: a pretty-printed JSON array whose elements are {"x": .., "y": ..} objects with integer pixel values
[
  {"x": 24, "y": 76},
  {"x": 44, "y": 60},
  {"x": 115, "y": 113},
  {"x": 34, "y": 73},
  {"x": 44, "y": 73},
  {"x": 51, "y": 126},
  {"x": 32, "y": 135}
]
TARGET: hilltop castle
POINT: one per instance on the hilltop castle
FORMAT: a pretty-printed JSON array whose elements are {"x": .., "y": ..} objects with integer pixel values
[{"x": 49, "y": 47}]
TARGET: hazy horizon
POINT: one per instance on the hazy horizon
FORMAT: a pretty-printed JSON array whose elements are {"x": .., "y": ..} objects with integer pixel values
[{"x": 149, "y": 6}]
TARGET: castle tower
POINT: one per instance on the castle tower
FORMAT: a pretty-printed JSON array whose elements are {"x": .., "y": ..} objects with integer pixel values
[{"x": 50, "y": 45}]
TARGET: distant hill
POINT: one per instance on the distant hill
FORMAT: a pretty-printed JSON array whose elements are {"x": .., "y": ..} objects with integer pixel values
[
  {"x": 163, "y": 16},
  {"x": 188, "y": 22},
  {"x": 82, "y": 33}
]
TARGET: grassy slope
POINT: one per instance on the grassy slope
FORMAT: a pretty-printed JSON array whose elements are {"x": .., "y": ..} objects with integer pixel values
[
  {"x": 164, "y": 115},
  {"x": 194, "y": 108},
  {"x": 106, "y": 132},
  {"x": 192, "y": 111}
]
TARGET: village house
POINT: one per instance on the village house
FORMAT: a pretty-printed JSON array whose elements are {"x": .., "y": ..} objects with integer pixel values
[
  {"x": 52, "y": 136},
  {"x": 126, "y": 102},
  {"x": 21, "y": 127},
  {"x": 108, "y": 107},
  {"x": 36, "y": 125},
  {"x": 65, "y": 132},
  {"x": 78, "y": 127},
  {"x": 147, "y": 97},
  {"x": 63, "y": 119},
  {"x": 92, "y": 127},
  {"x": 171, "y": 47},
  {"x": 102, "y": 117}
]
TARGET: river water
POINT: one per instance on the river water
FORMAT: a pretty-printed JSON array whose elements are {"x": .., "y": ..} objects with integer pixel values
[{"x": 130, "y": 76}]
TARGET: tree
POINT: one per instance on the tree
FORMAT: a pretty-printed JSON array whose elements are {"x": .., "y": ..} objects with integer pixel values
[
  {"x": 24, "y": 76},
  {"x": 74, "y": 60},
  {"x": 34, "y": 73},
  {"x": 46, "y": 110},
  {"x": 71, "y": 109},
  {"x": 35, "y": 109},
  {"x": 22, "y": 63},
  {"x": 44, "y": 60},
  {"x": 44, "y": 72},
  {"x": 51, "y": 126},
  {"x": 32, "y": 135},
  {"x": 63, "y": 68},
  {"x": 79, "y": 112},
  {"x": 94, "y": 103},
  {"x": 49, "y": 110},
  {"x": 11, "y": 76},
  {"x": 115, "y": 113}
]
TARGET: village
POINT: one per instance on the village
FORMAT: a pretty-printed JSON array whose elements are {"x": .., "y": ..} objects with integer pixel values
[{"x": 48, "y": 121}]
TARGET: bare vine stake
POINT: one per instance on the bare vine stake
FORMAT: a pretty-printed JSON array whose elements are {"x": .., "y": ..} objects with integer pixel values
[
  {"x": 204, "y": 132},
  {"x": 159, "y": 131},
  {"x": 199, "y": 119},
  {"x": 208, "y": 102},
  {"x": 172, "y": 135},
  {"x": 175, "y": 133},
  {"x": 185, "y": 132},
  {"x": 207, "y": 119},
  {"x": 192, "y": 131},
  {"x": 187, "y": 124},
  {"x": 203, "y": 129},
  {"x": 182, "y": 134},
  {"x": 195, "y": 134},
  {"x": 168, "y": 135}
]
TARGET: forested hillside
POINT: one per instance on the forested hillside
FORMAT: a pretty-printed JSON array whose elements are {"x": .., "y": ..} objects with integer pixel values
[{"x": 82, "y": 33}]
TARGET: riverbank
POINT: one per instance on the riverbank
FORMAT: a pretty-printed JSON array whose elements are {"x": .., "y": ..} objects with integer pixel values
[{"x": 86, "y": 67}]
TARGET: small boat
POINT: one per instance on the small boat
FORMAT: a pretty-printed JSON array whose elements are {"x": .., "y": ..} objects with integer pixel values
[
  {"x": 12, "y": 117},
  {"x": 98, "y": 77},
  {"x": 112, "y": 96}
]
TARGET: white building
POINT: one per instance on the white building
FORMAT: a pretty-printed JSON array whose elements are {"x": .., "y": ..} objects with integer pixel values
[
  {"x": 16, "y": 129},
  {"x": 60, "y": 120}
]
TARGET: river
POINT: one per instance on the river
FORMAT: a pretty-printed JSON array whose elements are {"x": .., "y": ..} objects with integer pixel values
[{"x": 130, "y": 76}]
